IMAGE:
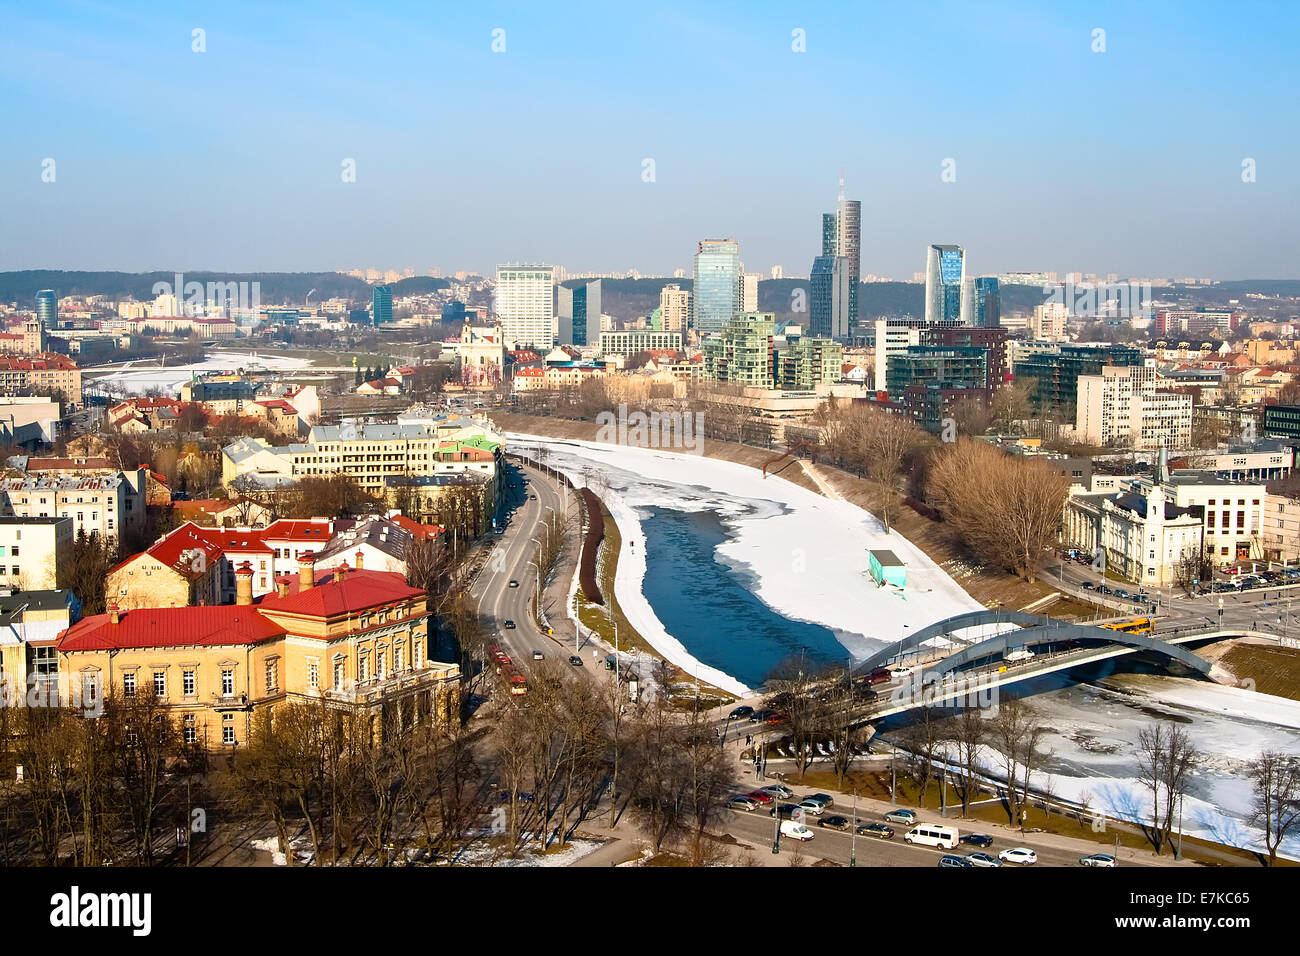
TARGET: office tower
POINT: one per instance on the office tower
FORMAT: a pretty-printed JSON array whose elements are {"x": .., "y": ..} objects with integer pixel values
[
  {"x": 830, "y": 305},
  {"x": 945, "y": 283},
  {"x": 716, "y": 297},
  {"x": 675, "y": 307},
  {"x": 748, "y": 291},
  {"x": 984, "y": 300},
  {"x": 47, "y": 309},
  {"x": 524, "y": 302},
  {"x": 381, "y": 305},
  {"x": 580, "y": 314}
]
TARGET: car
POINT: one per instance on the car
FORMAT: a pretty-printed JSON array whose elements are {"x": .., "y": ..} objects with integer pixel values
[
  {"x": 824, "y": 799},
  {"x": 514, "y": 583},
  {"x": 740, "y": 712},
  {"x": 1019, "y": 854},
  {"x": 835, "y": 823},
  {"x": 533, "y": 497},
  {"x": 983, "y": 859},
  {"x": 1103, "y": 589},
  {"x": 509, "y": 625},
  {"x": 575, "y": 660},
  {"x": 743, "y": 802},
  {"x": 795, "y": 831},
  {"x": 1143, "y": 597},
  {"x": 815, "y": 807},
  {"x": 1232, "y": 570},
  {"x": 1121, "y": 593},
  {"x": 878, "y": 830},
  {"x": 1089, "y": 586},
  {"x": 1020, "y": 654},
  {"x": 785, "y": 810},
  {"x": 949, "y": 860},
  {"x": 500, "y": 530},
  {"x": 775, "y": 718},
  {"x": 537, "y": 655},
  {"x": 901, "y": 816},
  {"x": 780, "y": 791},
  {"x": 1099, "y": 859},
  {"x": 977, "y": 839},
  {"x": 758, "y": 716},
  {"x": 760, "y": 796}
]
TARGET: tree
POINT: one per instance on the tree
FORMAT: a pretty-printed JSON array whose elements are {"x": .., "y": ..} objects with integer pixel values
[
  {"x": 1011, "y": 404},
  {"x": 89, "y": 560},
  {"x": 882, "y": 442},
  {"x": 971, "y": 416},
  {"x": 1276, "y": 777},
  {"x": 1006, "y": 509},
  {"x": 1015, "y": 733},
  {"x": 968, "y": 732},
  {"x": 1165, "y": 759},
  {"x": 922, "y": 738}
]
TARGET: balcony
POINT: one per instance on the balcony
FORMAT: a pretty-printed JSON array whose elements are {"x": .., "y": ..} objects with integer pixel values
[
  {"x": 377, "y": 690},
  {"x": 229, "y": 701}
]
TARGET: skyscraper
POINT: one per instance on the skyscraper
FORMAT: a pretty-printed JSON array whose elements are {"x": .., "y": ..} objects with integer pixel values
[
  {"x": 381, "y": 305},
  {"x": 945, "y": 283},
  {"x": 524, "y": 303},
  {"x": 983, "y": 300},
  {"x": 748, "y": 291},
  {"x": 716, "y": 296},
  {"x": 580, "y": 314},
  {"x": 836, "y": 272},
  {"x": 675, "y": 307},
  {"x": 47, "y": 309}
]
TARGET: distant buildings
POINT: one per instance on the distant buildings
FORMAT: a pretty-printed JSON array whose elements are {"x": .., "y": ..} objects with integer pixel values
[
  {"x": 580, "y": 314},
  {"x": 741, "y": 352},
  {"x": 1048, "y": 323},
  {"x": 749, "y": 292},
  {"x": 47, "y": 309},
  {"x": 716, "y": 295},
  {"x": 1125, "y": 407},
  {"x": 632, "y": 341},
  {"x": 985, "y": 299},
  {"x": 525, "y": 305},
  {"x": 833, "y": 280},
  {"x": 945, "y": 284}
]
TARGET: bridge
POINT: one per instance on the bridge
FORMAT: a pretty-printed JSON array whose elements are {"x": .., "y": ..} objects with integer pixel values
[{"x": 969, "y": 662}]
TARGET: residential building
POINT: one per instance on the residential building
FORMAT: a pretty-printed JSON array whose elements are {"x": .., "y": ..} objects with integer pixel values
[
  {"x": 715, "y": 299},
  {"x": 992, "y": 339},
  {"x": 32, "y": 550},
  {"x": 47, "y": 373},
  {"x": 29, "y": 420},
  {"x": 748, "y": 293},
  {"x": 741, "y": 353},
  {"x": 1056, "y": 373},
  {"x": 955, "y": 366},
  {"x": 524, "y": 303},
  {"x": 107, "y": 505},
  {"x": 1125, "y": 407},
  {"x": 1049, "y": 321},
  {"x": 675, "y": 308},
  {"x": 633, "y": 341},
  {"x": 806, "y": 362},
  {"x": 1281, "y": 528}
]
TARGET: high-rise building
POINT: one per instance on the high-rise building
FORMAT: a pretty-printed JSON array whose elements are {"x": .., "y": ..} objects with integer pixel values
[
  {"x": 945, "y": 283},
  {"x": 716, "y": 296},
  {"x": 1056, "y": 373},
  {"x": 1049, "y": 321},
  {"x": 749, "y": 292},
  {"x": 807, "y": 362},
  {"x": 675, "y": 308},
  {"x": 1125, "y": 407},
  {"x": 837, "y": 271},
  {"x": 525, "y": 305},
  {"x": 381, "y": 305},
  {"x": 741, "y": 353},
  {"x": 983, "y": 300},
  {"x": 47, "y": 309},
  {"x": 580, "y": 314}
]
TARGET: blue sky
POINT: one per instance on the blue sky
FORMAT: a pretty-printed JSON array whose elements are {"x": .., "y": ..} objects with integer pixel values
[{"x": 1126, "y": 161}]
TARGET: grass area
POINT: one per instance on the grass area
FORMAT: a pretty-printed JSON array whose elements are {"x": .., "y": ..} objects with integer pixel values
[
  {"x": 875, "y": 784},
  {"x": 1275, "y": 670}
]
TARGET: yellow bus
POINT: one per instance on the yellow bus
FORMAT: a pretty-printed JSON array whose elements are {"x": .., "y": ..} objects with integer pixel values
[{"x": 1135, "y": 625}]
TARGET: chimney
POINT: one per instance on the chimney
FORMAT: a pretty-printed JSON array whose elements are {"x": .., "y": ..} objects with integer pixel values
[
  {"x": 306, "y": 572},
  {"x": 244, "y": 584},
  {"x": 282, "y": 588},
  {"x": 361, "y": 558},
  {"x": 113, "y": 616},
  {"x": 341, "y": 572}
]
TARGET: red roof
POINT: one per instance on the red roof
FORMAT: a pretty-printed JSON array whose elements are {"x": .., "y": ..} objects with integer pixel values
[
  {"x": 291, "y": 529},
  {"x": 168, "y": 551},
  {"x": 170, "y": 627},
  {"x": 415, "y": 528},
  {"x": 358, "y": 590}
]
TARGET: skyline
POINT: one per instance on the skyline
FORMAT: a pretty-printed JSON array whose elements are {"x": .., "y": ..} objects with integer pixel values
[{"x": 1065, "y": 159}]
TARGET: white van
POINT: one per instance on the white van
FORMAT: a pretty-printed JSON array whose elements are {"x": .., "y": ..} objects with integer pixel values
[
  {"x": 932, "y": 834},
  {"x": 795, "y": 831},
  {"x": 1023, "y": 654}
]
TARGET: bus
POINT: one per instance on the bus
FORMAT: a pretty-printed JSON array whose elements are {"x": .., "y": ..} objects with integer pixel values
[
  {"x": 1135, "y": 625},
  {"x": 933, "y": 834}
]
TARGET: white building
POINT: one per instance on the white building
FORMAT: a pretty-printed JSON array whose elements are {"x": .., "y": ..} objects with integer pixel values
[
  {"x": 674, "y": 308},
  {"x": 1124, "y": 407},
  {"x": 1049, "y": 321},
  {"x": 31, "y": 550},
  {"x": 749, "y": 292},
  {"x": 1144, "y": 536},
  {"x": 631, "y": 342},
  {"x": 525, "y": 305}
]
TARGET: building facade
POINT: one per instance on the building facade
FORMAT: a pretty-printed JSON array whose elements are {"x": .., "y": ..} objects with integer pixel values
[
  {"x": 715, "y": 298},
  {"x": 1125, "y": 407},
  {"x": 524, "y": 303},
  {"x": 945, "y": 284}
]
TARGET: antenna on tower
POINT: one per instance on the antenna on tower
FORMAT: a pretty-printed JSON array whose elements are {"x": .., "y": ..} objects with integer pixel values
[{"x": 841, "y": 184}]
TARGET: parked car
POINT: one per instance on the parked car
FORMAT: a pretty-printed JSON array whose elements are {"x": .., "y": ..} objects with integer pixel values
[
  {"x": 778, "y": 790},
  {"x": 983, "y": 859},
  {"x": 760, "y": 796},
  {"x": 1103, "y": 589},
  {"x": 575, "y": 660},
  {"x": 1089, "y": 586},
  {"x": 514, "y": 583},
  {"x": 775, "y": 718},
  {"x": 1121, "y": 593},
  {"x": 534, "y": 497},
  {"x": 949, "y": 860},
  {"x": 835, "y": 823},
  {"x": 743, "y": 802},
  {"x": 823, "y": 798},
  {"x": 901, "y": 816},
  {"x": 758, "y": 716},
  {"x": 878, "y": 830},
  {"x": 1019, "y": 854},
  {"x": 741, "y": 712},
  {"x": 795, "y": 831},
  {"x": 1099, "y": 859},
  {"x": 815, "y": 807},
  {"x": 509, "y": 625},
  {"x": 785, "y": 811},
  {"x": 977, "y": 839}
]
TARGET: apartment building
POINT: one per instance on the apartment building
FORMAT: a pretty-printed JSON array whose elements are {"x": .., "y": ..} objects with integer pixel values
[
  {"x": 1280, "y": 532},
  {"x": 47, "y": 374},
  {"x": 1125, "y": 407},
  {"x": 742, "y": 352},
  {"x": 107, "y": 505},
  {"x": 632, "y": 341},
  {"x": 675, "y": 308},
  {"x": 31, "y": 551}
]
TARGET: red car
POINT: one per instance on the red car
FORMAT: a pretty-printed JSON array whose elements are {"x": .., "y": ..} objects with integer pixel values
[
  {"x": 776, "y": 718},
  {"x": 880, "y": 675},
  {"x": 760, "y": 796}
]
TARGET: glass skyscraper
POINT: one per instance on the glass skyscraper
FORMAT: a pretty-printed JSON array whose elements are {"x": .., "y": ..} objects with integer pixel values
[
  {"x": 716, "y": 296},
  {"x": 47, "y": 309},
  {"x": 833, "y": 281},
  {"x": 580, "y": 314},
  {"x": 985, "y": 302},
  {"x": 381, "y": 305},
  {"x": 945, "y": 283}
]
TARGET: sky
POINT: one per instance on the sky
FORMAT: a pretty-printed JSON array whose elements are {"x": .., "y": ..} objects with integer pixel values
[{"x": 1066, "y": 157}]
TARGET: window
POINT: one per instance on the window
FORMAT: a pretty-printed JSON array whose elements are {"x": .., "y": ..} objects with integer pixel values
[
  {"x": 89, "y": 690},
  {"x": 160, "y": 684},
  {"x": 187, "y": 682},
  {"x": 227, "y": 682},
  {"x": 227, "y": 728},
  {"x": 128, "y": 684},
  {"x": 14, "y": 553},
  {"x": 190, "y": 731},
  {"x": 381, "y": 661},
  {"x": 313, "y": 674},
  {"x": 340, "y": 671},
  {"x": 272, "y": 681}
]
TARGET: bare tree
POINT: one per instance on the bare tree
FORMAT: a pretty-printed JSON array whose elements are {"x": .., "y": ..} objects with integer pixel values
[
  {"x": 968, "y": 732},
  {"x": 1276, "y": 777},
  {"x": 1165, "y": 759},
  {"x": 1015, "y": 733}
]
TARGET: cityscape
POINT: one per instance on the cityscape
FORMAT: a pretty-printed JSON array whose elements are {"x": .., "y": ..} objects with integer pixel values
[{"x": 757, "y": 504}]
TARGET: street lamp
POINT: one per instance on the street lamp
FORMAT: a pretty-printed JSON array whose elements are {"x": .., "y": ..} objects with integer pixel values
[
  {"x": 853, "y": 845},
  {"x": 1220, "y": 613}
]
